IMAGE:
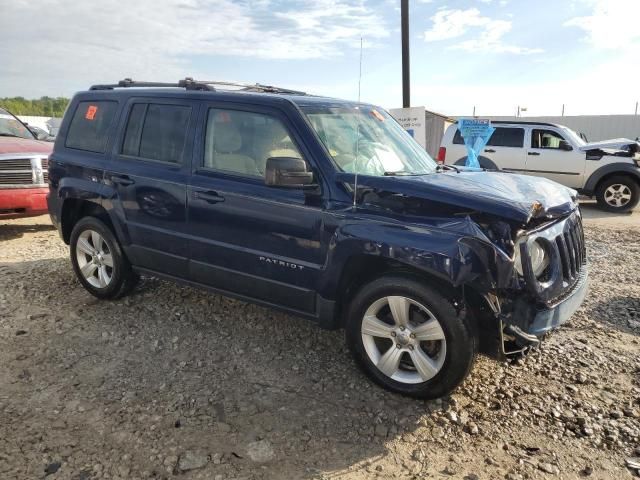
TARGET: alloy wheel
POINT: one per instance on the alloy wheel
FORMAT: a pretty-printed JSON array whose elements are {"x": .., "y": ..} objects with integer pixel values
[
  {"x": 94, "y": 258},
  {"x": 403, "y": 339},
  {"x": 617, "y": 195}
]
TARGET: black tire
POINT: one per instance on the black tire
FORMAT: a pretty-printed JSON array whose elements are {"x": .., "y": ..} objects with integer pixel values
[
  {"x": 628, "y": 184},
  {"x": 122, "y": 279},
  {"x": 461, "y": 342}
]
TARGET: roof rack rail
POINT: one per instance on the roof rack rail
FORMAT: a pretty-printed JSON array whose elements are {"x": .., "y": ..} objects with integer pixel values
[
  {"x": 188, "y": 84},
  {"x": 206, "y": 85},
  {"x": 254, "y": 87}
]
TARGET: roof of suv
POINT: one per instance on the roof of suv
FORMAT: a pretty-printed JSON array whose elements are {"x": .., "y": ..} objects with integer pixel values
[{"x": 263, "y": 94}]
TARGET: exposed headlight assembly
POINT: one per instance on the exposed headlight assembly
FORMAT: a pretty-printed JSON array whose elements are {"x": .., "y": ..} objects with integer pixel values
[{"x": 538, "y": 255}]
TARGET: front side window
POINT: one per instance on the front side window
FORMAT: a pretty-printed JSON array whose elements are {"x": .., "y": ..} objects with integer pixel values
[
  {"x": 547, "y": 139},
  {"x": 11, "y": 127},
  {"x": 368, "y": 140},
  {"x": 90, "y": 126},
  {"x": 241, "y": 142},
  {"x": 157, "y": 132}
]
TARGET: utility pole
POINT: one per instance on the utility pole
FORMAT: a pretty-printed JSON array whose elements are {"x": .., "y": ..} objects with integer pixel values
[
  {"x": 406, "y": 79},
  {"x": 563, "y": 109},
  {"x": 636, "y": 108},
  {"x": 474, "y": 110}
]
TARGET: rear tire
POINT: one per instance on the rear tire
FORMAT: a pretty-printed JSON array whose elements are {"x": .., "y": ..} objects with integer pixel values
[
  {"x": 98, "y": 260},
  {"x": 409, "y": 338},
  {"x": 618, "y": 194}
]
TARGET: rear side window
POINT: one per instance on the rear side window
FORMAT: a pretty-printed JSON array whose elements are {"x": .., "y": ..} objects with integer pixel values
[
  {"x": 90, "y": 126},
  {"x": 157, "y": 132},
  {"x": 502, "y": 137}
]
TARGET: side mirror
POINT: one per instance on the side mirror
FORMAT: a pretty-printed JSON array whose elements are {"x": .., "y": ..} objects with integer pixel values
[
  {"x": 564, "y": 145},
  {"x": 42, "y": 135},
  {"x": 287, "y": 172}
]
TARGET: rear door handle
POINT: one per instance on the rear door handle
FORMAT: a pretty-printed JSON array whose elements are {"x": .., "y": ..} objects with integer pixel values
[
  {"x": 534, "y": 154},
  {"x": 210, "y": 197},
  {"x": 122, "y": 180},
  {"x": 490, "y": 150}
]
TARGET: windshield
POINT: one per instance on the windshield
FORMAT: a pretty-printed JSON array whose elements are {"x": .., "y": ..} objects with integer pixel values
[
  {"x": 577, "y": 139},
  {"x": 368, "y": 140},
  {"x": 10, "y": 127}
]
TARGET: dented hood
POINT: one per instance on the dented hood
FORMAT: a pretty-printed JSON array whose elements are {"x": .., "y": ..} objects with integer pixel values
[
  {"x": 614, "y": 144},
  {"x": 515, "y": 197}
]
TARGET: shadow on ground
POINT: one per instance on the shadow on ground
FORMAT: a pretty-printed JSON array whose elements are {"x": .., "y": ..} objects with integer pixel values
[
  {"x": 622, "y": 313},
  {"x": 15, "y": 230}
]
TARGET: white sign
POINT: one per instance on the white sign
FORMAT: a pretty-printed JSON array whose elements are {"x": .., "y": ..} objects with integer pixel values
[{"x": 413, "y": 121}]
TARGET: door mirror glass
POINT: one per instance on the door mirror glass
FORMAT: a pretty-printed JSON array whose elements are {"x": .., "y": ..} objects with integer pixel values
[
  {"x": 287, "y": 172},
  {"x": 564, "y": 145}
]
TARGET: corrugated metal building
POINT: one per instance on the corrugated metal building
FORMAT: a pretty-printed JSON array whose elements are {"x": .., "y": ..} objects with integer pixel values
[{"x": 595, "y": 127}]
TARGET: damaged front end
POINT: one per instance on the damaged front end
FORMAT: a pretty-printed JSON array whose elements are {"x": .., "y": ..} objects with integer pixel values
[{"x": 520, "y": 265}]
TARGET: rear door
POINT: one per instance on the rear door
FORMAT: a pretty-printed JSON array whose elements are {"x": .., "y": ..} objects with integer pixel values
[
  {"x": 548, "y": 156},
  {"x": 504, "y": 150},
  {"x": 245, "y": 237},
  {"x": 149, "y": 173}
]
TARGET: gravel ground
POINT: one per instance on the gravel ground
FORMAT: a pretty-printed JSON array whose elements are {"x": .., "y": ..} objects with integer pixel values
[{"x": 175, "y": 382}]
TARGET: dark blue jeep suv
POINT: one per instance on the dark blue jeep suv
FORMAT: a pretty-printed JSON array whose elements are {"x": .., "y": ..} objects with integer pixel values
[{"x": 320, "y": 207}]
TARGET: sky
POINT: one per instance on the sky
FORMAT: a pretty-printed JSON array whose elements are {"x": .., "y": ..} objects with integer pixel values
[{"x": 495, "y": 55}]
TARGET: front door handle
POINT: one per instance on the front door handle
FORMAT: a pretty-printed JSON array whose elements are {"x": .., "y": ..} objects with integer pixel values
[
  {"x": 490, "y": 150},
  {"x": 122, "y": 180},
  {"x": 534, "y": 154},
  {"x": 210, "y": 197}
]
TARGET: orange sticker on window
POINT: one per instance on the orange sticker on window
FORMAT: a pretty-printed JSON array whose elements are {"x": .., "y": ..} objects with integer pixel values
[
  {"x": 91, "y": 112},
  {"x": 378, "y": 115}
]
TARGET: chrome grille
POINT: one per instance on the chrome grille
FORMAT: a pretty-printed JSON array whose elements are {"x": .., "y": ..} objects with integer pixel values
[
  {"x": 564, "y": 241},
  {"x": 16, "y": 178},
  {"x": 15, "y": 164}
]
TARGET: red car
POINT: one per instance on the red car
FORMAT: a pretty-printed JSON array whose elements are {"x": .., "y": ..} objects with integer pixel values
[{"x": 23, "y": 169}]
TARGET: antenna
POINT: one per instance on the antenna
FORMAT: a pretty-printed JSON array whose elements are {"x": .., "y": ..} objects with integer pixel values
[{"x": 355, "y": 183}]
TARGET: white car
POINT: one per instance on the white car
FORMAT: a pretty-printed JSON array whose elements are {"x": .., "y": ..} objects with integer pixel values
[{"x": 608, "y": 170}]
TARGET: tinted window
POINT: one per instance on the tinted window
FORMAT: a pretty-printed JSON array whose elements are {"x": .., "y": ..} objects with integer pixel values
[
  {"x": 157, "y": 132},
  {"x": 502, "y": 137},
  {"x": 241, "y": 142},
  {"x": 507, "y": 137},
  {"x": 545, "y": 139},
  {"x": 90, "y": 125}
]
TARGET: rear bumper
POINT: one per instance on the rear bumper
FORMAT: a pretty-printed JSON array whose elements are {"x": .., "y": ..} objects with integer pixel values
[{"x": 23, "y": 202}]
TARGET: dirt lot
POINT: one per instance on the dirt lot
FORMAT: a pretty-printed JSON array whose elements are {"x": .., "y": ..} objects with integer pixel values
[{"x": 173, "y": 382}]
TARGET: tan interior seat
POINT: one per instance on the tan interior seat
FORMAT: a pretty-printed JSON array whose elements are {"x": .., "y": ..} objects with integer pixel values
[{"x": 224, "y": 155}]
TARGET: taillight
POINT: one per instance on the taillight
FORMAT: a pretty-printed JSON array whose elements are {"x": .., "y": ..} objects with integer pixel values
[{"x": 442, "y": 154}]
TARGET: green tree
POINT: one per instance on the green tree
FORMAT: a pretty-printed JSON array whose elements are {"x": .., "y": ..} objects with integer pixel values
[{"x": 44, "y": 106}]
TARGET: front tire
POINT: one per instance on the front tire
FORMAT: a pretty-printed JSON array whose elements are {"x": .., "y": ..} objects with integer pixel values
[
  {"x": 618, "y": 194},
  {"x": 98, "y": 261},
  {"x": 409, "y": 338}
]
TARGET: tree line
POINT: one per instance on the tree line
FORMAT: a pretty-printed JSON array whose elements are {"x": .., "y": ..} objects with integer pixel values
[{"x": 42, "y": 107}]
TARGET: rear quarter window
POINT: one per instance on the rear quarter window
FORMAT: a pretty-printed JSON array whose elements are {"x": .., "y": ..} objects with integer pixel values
[
  {"x": 502, "y": 137},
  {"x": 90, "y": 126}
]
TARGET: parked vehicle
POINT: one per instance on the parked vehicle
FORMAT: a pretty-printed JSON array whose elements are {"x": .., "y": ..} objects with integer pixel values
[
  {"x": 607, "y": 170},
  {"x": 40, "y": 133},
  {"x": 23, "y": 169},
  {"x": 254, "y": 194}
]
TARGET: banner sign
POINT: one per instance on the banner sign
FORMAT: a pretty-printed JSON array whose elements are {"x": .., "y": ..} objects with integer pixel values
[
  {"x": 476, "y": 132},
  {"x": 413, "y": 120}
]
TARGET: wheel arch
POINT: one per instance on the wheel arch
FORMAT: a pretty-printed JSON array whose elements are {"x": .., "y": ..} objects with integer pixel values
[
  {"x": 74, "y": 209},
  {"x": 607, "y": 171},
  {"x": 484, "y": 162}
]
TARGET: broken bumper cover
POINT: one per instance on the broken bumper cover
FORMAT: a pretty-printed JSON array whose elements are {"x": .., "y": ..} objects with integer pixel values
[
  {"x": 546, "y": 320},
  {"x": 541, "y": 321}
]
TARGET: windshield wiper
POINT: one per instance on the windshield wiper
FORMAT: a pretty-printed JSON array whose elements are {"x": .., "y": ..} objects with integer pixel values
[
  {"x": 3, "y": 134},
  {"x": 442, "y": 166},
  {"x": 402, "y": 173}
]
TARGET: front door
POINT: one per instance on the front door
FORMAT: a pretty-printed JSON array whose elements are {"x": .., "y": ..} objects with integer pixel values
[
  {"x": 551, "y": 156},
  {"x": 149, "y": 172},
  {"x": 247, "y": 238}
]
